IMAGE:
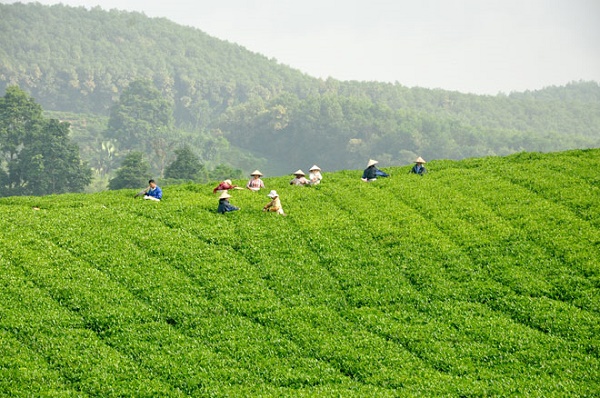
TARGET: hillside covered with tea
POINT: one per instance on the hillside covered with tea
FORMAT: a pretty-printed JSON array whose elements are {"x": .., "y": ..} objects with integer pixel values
[{"x": 480, "y": 278}]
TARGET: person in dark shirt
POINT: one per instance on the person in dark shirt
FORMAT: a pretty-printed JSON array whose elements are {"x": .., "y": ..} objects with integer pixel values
[
  {"x": 224, "y": 205},
  {"x": 372, "y": 172},
  {"x": 418, "y": 168}
]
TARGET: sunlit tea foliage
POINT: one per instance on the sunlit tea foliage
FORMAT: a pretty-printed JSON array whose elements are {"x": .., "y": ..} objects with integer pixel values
[{"x": 479, "y": 279}]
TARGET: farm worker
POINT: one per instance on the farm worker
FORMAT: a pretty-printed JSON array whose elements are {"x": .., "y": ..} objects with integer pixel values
[
  {"x": 153, "y": 192},
  {"x": 224, "y": 205},
  {"x": 255, "y": 183},
  {"x": 418, "y": 168},
  {"x": 299, "y": 179},
  {"x": 372, "y": 172},
  {"x": 315, "y": 176},
  {"x": 224, "y": 186},
  {"x": 275, "y": 204}
]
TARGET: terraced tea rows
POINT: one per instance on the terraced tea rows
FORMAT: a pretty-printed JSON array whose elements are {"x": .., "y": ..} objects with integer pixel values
[{"x": 481, "y": 278}]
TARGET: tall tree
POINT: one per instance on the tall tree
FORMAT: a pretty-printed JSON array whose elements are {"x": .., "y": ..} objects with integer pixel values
[
  {"x": 224, "y": 171},
  {"x": 20, "y": 117},
  {"x": 186, "y": 166},
  {"x": 142, "y": 120},
  {"x": 133, "y": 173},
  {"x": 49, "y": 163},
  {"x": 39, "y": 157}
]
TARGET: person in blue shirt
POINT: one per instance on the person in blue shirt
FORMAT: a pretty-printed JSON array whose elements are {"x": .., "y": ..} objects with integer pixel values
[
  {"x": 224, "y": 205},
  {"x": 418, "y": 168},
  {"x": 153, "y": 192}
]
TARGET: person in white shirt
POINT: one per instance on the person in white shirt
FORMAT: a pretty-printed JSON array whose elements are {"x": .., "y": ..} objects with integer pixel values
[{"x": 315, "y": 176}]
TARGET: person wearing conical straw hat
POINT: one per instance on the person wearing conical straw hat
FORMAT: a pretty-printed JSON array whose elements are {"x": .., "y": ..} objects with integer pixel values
[
  {"x": 299, "y": 178},
  {"x": 372, "y": 172},
  {"x": 418, "y": 168},
  {"x": 224, "y": 205},
  {"x": 224, "y": 186},
  {"x": 275, "y": 204},
  {"x": 255, "y": 183},
  {"x": 315, "y": 176}
]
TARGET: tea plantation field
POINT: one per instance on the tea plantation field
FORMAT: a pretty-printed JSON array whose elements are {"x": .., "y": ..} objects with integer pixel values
[{"x": 481, "y": 278}]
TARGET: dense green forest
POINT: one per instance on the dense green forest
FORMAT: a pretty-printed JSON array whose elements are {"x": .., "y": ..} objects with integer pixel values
[
  {"x": 408, "y": 286},
  {"x": 236, "y": 107},
  {"x": 37, "y": 156}
]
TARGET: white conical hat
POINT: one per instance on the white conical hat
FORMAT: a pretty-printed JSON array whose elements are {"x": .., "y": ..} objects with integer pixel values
[
  {"x": 420, "y": 160},
  {"x": 299, "y": 173},
  {"x": 315, "y": 167},
  {"x": 272, "y": 194},
  {"x": 372, "y": 162},
  {"x": 256, "y": 173},
  {"x": 227, "y": 182},
  {"x": 225, "y": 195}
]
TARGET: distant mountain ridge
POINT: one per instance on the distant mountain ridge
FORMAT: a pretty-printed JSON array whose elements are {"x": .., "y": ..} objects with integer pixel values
[
  {"x": 78, "y": 60},
  {"x": 94, "y": 54}
]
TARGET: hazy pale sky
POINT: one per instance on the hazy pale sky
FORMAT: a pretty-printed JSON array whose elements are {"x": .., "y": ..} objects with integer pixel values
[{"x": 478, "y": 46}]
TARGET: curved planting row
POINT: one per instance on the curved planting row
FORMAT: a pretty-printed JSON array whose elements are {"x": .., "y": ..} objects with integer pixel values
[{"x": 480, "y": 278}]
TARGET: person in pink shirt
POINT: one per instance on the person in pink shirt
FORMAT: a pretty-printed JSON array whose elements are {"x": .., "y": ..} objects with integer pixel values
[
  {"x": 255, "y": 183},
  {"x": 299, "y": 179}
]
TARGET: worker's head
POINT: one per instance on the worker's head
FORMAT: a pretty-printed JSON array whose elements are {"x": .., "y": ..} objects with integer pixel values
[
  {"x": 256, "y": 174},
  {"x": 152, "y": 183}
]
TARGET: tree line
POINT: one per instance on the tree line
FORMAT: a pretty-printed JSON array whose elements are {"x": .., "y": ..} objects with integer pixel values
[
  {"x": 37, "y": 156},
  {"x": 236, "y": 108}
]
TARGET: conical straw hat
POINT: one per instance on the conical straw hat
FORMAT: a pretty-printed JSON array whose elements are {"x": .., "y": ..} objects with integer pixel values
[
  {"x": 227, "y": 182},
  {"x": 225, "y": 195},
  {"x": 272, "y": 194},
  {"x": 256, "y": 173},
  {"x": 372, "y": 162},
  {"x": 299, "y": 173},
  {"x": 420, "y": 160},
  {"x": 315, "y": 167}
]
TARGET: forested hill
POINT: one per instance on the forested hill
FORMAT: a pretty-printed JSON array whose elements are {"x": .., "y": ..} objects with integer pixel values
[
  {"x": 79, "y": 61},
  {"x": 479, "y": 279}
]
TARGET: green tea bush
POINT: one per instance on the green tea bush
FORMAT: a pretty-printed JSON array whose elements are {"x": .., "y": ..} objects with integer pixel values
[{"x": 480, "y": 278}]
